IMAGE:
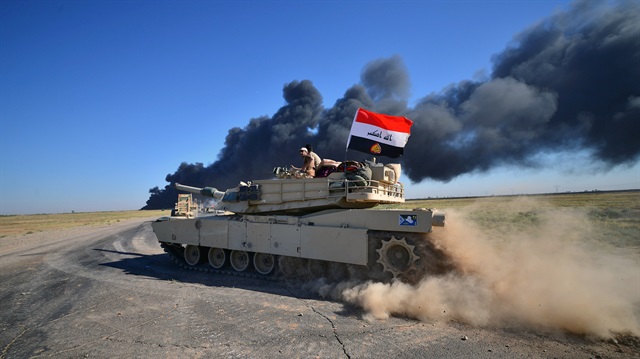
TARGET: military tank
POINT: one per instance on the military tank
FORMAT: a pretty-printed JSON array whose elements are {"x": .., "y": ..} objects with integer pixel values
[{"x": 323, "y": 227}]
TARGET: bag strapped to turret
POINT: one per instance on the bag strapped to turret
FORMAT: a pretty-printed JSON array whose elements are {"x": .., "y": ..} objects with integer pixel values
[{"x": 357, "y": 173}]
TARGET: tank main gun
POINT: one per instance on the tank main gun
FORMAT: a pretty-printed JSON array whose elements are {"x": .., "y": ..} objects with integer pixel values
[{"x": 207, "y": 191}]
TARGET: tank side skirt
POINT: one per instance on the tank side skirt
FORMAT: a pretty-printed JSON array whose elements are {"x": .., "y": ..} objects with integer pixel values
[{"x": 343, "y": 245}]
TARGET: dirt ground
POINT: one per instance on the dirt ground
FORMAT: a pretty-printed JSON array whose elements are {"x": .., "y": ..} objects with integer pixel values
[{"x": 110, "y": 291}]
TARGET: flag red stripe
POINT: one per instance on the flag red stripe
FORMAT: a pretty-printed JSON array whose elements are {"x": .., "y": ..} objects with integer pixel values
[{"x": 392, "y": 123}]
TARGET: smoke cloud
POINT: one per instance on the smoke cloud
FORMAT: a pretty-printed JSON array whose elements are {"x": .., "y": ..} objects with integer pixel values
[
  {"x": 560, "y": 276},
  {"x": 568, "y": 83}
]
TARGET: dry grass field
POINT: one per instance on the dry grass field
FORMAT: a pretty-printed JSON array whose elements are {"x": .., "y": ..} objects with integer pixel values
[
  {"x": 27, "y": 224},
  {"x": 615, "y": 215}
]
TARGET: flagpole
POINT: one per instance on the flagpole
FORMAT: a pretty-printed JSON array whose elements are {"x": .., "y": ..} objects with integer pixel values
[
  {"x": 346, "y": 150},
  {"x": 344, "y": 167}
]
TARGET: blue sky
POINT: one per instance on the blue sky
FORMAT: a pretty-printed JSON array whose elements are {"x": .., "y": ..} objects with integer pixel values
[{"x": 100, "y": 100}]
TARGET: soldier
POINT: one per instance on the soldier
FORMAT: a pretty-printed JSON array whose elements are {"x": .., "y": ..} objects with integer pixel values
[
  {"x": 308, "y": 169},
  {"x": 316, "y": 159}
]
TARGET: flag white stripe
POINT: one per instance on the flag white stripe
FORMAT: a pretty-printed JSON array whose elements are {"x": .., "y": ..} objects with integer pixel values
[{"x": 378, "y": 134}]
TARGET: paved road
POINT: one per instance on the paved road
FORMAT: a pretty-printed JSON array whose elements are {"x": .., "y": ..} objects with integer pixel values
[{"x": 111, "y": 292}]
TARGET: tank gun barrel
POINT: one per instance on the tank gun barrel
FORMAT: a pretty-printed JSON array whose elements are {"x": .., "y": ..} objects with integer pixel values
[{"x": 207, "y": 191}]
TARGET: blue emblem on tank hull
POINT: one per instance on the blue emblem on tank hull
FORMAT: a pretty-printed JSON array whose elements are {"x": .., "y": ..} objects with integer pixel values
[{"x": 408, "y": 220}]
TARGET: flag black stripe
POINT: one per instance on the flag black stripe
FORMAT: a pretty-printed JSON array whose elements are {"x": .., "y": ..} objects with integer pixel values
[{"x": 366, "y": 146}]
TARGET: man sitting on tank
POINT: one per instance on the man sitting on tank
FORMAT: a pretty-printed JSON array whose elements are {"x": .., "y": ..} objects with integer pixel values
[
  {"x": 308, "y": 167},
  {"x": 323, "y": 166},
  {"x": 316, "y": 158}
]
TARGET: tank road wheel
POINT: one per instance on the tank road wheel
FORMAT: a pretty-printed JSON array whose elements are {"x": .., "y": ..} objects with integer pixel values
[
  {"x": 318, "y": 269},
  {"x": 217, "y": 257},
  {"x": 338, "y": 272},
  {"x": 397, "y": 256},
  {"x": 291, "y": 267},
  {"x": 239, "y": 260},
  {"x": 192, "y": 254},
  {"x": 264, "y": 263},
  {"x": 358, "y": 272}
]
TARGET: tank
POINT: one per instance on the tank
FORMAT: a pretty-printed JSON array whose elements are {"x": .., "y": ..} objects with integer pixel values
[{"x": 323, "y": 227}]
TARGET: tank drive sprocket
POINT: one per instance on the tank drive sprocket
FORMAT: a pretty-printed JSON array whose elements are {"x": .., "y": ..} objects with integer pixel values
[{"x": 397, "y": 256}]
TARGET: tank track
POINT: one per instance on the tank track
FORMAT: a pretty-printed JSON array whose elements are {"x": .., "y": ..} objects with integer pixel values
[
  {"x": 424, "y": 259},
  {"x": 176, "y": 254}
]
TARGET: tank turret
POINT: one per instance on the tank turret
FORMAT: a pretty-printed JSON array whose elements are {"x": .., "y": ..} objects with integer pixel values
[{"x": 352, "y": 185}]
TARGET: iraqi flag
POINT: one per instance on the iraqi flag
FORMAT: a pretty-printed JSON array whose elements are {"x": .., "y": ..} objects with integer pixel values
[{"x": 378, "y": 134}]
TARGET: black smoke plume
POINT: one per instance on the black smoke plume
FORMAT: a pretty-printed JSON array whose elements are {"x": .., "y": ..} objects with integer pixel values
[{"x": 568, "y": 83}]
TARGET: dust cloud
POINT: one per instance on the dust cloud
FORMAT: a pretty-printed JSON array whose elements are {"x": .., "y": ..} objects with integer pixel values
[{"x": 557, "y": 274}]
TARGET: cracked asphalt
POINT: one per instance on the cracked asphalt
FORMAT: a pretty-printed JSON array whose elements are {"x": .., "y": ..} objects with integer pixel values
[{"x": 105, "y": 292}]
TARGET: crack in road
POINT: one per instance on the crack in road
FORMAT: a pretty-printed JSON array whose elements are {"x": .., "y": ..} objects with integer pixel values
[
  {"x": 6, "y": 348},
  {"x": 333, "y": 326},
  {"x": 335, "y": 331}
]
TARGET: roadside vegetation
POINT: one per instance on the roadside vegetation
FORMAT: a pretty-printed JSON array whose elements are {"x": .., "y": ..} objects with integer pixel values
[
  {"x": 27, "y": 224},
  {"x": 616, "y": 215}
]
